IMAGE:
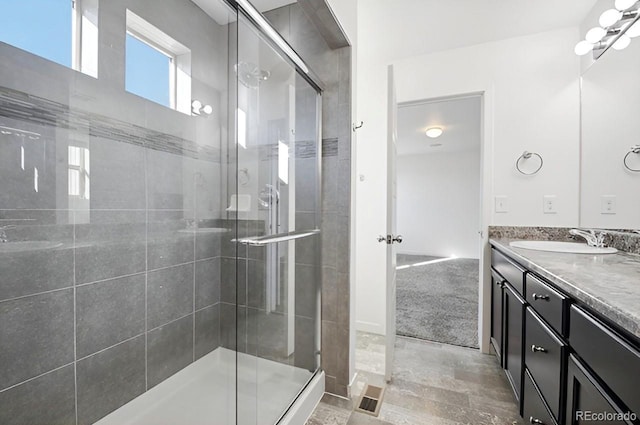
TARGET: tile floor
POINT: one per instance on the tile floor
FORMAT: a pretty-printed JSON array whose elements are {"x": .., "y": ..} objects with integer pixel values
[{"x": 433, "y": 384}]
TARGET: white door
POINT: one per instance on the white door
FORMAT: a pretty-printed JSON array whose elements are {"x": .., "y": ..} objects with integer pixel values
[{"x": 392, "y": 239}]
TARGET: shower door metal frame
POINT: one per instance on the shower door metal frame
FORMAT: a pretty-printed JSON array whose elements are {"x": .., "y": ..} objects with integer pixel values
[{"x": 316, "y": 83}]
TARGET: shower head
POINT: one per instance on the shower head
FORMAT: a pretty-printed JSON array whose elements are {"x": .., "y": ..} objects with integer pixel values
[{"x": 250, "y": 75}]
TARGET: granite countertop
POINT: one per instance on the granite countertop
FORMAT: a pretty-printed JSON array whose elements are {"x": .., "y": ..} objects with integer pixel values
[{"x": 609, "y": 284}]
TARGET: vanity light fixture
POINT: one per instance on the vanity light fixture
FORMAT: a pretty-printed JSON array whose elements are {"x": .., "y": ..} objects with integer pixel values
[
  {"x": 624, "y": 4},
  {"x": 622, "y": 42},
  {"x": 595, "y": 34},
  {"x": 434, "y": 132},
  {"x": 634, "y": 30},
  {"x": 617, "y": 27}
]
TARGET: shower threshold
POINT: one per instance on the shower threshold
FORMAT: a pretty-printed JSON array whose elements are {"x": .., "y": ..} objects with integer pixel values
[{"x": 204, "y": 393}]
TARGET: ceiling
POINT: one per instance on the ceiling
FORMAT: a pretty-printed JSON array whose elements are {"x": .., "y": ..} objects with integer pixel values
[
  {"x": 427, "y": 26},
  {"x": 217, "y": 10},
  {"x": 459, "y": 118}
]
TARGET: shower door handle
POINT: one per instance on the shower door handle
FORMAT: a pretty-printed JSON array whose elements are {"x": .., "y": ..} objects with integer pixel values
[{"x": 278, "y": 237}]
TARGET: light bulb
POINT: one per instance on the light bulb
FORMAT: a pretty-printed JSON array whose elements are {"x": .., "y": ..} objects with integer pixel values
[
  {"x": 622, "y": 42},
  {"x": 583, "y": 48},
  {"x": 208, "y": 109},
  {"x": 610, "y": 17},
  {"x": 634, "y": 30},
  {"x": 434, "y": 132},
  {"x": 624, "y": 4},
  {"x": 196, "y": 104},
  {"x": 595, "y": 34}
]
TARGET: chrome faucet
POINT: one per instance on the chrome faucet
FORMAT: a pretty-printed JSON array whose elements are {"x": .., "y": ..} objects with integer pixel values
[
  {"x": 3, "y": 233},
  {"x": 592, "y": 237}
]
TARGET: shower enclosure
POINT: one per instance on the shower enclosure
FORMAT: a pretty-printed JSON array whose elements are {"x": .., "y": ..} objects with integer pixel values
[{"x": 159, "y": 215}]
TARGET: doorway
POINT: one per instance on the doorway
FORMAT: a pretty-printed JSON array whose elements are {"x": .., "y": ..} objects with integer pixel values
[{"x": 438, "y": 214}]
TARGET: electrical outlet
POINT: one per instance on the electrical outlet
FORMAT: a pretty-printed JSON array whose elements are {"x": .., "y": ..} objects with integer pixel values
[
  {"x": 549, "y": 204},
  {"x": 501, "y": 204},
  {"x": 608, "y": 204}
]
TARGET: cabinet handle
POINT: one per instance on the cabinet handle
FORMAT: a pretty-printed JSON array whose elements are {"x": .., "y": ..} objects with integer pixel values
[
  {"x": 536, "y": 349},
  {"x": 533, "y": 420},
  {"x": 540, "y": 297},
  {"x": 501, "y": 283}
]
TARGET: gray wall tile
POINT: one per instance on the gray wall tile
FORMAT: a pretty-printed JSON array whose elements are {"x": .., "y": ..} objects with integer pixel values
[
  {"x": 170, "y": 349},
  {"x": 169, "y": 242},
  {"x": 228, "y": 325},
  {"x": 36, "y": 334},
  {"x": 305, "y": 345},
  {"x": 32, "y": 272},
  {"x": 48, "y": 399},
  {"x": 117, "y": 177},
  {"x": 207, "y": 331},
  {"x": 169, "y": 294},
  {"x": 111, "y": 245},
  {"x": 109, "y": 379},
  {"x": 109, "y": 312},
  {"x": 207, "y": 282}
]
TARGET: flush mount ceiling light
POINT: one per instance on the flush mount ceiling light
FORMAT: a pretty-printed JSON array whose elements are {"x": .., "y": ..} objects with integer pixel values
[
  {"x": 617, "y": 27},
  {"x": 434, "y": 132}
]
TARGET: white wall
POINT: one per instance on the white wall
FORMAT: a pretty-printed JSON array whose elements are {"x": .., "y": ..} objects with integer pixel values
[
  {"x": 439, "y": 203},
  {"x": 531, "y": 102}
]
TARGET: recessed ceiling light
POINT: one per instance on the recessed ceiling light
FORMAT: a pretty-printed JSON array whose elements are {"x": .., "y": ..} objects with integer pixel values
[{"x": 434, "y": 132}]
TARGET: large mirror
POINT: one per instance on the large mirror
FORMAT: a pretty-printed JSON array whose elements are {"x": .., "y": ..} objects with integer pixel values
[{"x": 610, "y": 168}]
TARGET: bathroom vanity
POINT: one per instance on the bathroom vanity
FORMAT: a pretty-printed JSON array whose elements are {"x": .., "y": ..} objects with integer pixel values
[{"x": 566, "y": 329}]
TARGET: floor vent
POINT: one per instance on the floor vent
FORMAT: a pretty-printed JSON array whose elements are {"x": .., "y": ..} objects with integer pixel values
[{"x": 371, "y": 400}]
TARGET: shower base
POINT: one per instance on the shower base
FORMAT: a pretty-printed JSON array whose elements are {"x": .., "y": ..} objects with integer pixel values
[{"x": 204, "y": 393}]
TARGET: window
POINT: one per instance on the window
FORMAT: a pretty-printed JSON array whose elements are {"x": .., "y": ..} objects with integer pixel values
[
  {"x": 79, "y": 172},
  {"x": 62, "y": 31},
  {"x": 149, "y": 71},
  {"x": 158, "y": 67}
]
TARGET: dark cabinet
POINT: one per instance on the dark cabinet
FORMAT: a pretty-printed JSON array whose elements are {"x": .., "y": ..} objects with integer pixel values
[
  {"x": 544, "y": 358},
  {"x": 513, "y": 308},
  {"x": 566, "y": 364},
  {"x": 535, "y": 410},
  {"x": 587, "y": 402},
  {"x": 608, "y": 354},
  {"x": 497, "y": 284}
]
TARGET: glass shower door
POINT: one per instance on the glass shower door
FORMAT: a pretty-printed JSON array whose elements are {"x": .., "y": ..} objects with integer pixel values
[{"x": 278, "y": 264}]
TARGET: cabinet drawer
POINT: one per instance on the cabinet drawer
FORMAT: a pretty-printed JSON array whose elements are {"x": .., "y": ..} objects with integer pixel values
[
  {"x": 513, "y": 273},
  {"x": 534, "y": 410},
  {"x": 612, "y": 359},
  {"x": 544, "y": 357},
  {"x": 547, "y": 302}
]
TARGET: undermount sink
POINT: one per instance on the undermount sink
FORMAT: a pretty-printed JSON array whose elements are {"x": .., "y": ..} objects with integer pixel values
[
  {"x": 22, "y": 246},
  {"x": 567, "y": 247}
]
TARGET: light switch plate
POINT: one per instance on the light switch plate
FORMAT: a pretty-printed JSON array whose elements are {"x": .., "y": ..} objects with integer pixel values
[
  {"x": 608, "y": 204},
  {"x": 501, "y": 205},
  {"x": 549, "y": 204}
]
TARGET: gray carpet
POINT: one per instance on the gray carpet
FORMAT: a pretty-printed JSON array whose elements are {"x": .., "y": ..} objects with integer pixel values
[{"x": 438, "y": 302}]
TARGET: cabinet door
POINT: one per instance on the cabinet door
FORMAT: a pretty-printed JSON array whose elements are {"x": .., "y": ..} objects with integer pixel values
[
  {"x": 497, "y": 284},
  {"x": 513, "y": 338},
  {"x": 587, "y": 402}
]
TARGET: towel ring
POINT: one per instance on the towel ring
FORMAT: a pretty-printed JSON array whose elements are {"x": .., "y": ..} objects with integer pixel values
[
  {"x": 528, "y": 155},
  {"x": 636, "y": 150}
]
